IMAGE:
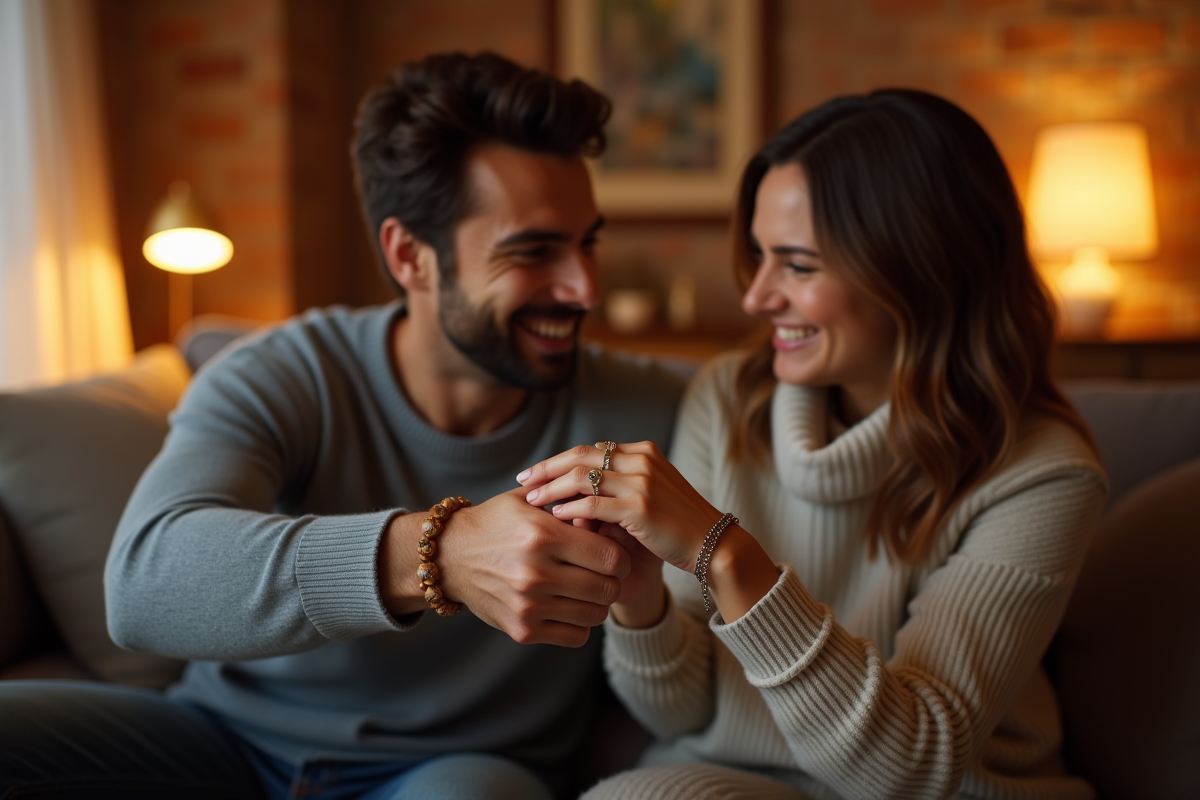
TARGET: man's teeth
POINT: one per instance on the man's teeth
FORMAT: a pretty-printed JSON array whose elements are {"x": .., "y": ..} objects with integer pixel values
[
  {"x": 793, "y": 334},
  {"x": 550, "y": 329}
]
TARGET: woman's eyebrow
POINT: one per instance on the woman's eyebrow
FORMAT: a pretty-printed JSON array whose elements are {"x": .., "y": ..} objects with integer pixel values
[{"x": 794, "y": 250}]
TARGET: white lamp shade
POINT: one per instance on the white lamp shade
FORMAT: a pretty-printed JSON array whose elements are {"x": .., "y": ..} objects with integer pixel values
[
  {"x": 188, "y": 250},
  {"x": 1090, "y": 186},
  {"x": 182, "y": 236}
]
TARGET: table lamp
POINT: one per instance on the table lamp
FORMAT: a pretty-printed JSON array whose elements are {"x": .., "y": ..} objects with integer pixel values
[
  {"x": 1091, "y": 197},
  {"x": 183, "y": 240}
]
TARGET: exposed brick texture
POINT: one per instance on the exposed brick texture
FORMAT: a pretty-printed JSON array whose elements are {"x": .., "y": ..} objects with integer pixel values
[
  {"x": 1128, "y": 37},
  {"x": 252, "y": 101},
  {"x": 1045, "y": 39}
]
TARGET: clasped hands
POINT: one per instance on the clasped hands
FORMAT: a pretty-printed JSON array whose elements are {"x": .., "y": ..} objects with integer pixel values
[
  {"x": 551, "y": 577},
  {"x": 641, "y": 502}
]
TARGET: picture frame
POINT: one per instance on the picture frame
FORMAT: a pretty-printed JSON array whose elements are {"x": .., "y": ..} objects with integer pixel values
[{"x": 686, "y": 84}]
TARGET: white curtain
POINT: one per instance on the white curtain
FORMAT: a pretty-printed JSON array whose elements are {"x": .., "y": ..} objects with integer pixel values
[{"x": 63, "y": 309}]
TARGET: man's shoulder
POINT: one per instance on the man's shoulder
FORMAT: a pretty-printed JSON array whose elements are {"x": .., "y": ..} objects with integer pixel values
[{"x": 336, "y": 333}]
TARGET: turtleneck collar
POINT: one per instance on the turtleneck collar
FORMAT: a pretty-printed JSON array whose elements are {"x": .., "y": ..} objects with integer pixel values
[{"x": 815, "y": 469}]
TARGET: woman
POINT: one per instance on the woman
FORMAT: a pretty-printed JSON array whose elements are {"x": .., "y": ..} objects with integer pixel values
[{"x": 914, "y": 494}]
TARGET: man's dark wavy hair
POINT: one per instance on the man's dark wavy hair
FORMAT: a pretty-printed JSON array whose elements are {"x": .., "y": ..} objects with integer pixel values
[{"x": 415, "y": 130}]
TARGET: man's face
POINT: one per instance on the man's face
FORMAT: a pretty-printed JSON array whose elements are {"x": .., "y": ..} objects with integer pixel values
[{"x": 525, "y": 270}]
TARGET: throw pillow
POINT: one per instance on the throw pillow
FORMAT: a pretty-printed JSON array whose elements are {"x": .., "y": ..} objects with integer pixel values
[
  {"x": 70, "y": 456},
  {"x": 1128, "y": 653}
]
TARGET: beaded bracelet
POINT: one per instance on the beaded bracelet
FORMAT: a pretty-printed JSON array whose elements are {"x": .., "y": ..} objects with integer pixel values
[
  {"x": 428, "y": 573},
  {"x": 706, "y": 551}
]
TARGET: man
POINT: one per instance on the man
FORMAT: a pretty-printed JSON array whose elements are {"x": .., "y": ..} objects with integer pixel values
[{"x": 275, "y": 540}]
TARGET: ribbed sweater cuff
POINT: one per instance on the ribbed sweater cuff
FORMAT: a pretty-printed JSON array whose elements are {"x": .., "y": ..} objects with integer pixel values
[
  {"x": 336, "y": 573},
  {"x": 651, "y": 652},
  {"x": 780, "y": 636}
]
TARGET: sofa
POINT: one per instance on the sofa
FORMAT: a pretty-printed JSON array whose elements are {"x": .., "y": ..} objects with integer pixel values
[{"x": 1126, "y": 662}]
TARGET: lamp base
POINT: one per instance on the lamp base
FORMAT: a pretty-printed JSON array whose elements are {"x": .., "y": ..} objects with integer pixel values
[{"x": 1085, "y": 317}]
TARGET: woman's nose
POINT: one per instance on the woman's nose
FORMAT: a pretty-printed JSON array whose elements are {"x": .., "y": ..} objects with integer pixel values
[{"x": 763, "y": 296}]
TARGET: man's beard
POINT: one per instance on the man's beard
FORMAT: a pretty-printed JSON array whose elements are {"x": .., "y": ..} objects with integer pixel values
[{"x": 474, "y": 332}]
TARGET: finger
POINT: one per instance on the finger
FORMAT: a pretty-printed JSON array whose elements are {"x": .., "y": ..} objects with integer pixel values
[
  {"x": 604, "y": 509},
  {"x": 552, "y": 632},
  {"x": 589, "y": 559},
  {"x": 576, "y": 598},
  {"x": 578, "y": 483},
  {"x": 555, "y": 466}
]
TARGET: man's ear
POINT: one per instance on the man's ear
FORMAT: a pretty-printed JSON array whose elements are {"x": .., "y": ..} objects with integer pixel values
[{"x": 411, "y": 262}]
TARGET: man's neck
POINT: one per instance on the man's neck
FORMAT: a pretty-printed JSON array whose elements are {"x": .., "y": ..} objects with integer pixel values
[{"x": 449, "y": 392}]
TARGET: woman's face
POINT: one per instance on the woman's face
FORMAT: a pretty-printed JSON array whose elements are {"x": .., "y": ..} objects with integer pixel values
[{"x": 827, "y": 333}]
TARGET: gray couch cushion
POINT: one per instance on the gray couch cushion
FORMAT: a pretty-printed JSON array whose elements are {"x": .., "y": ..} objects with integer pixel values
[
  {"x": 70, "y": 456},
  {"x": 1141, "y": 428},
  {"x": 1126, "y": 661}
]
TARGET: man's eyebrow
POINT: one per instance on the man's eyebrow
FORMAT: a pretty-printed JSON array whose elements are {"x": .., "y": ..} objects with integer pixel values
[{"x": 542, "y": 235}]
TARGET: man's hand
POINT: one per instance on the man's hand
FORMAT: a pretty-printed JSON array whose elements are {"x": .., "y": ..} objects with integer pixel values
[{"x": 516, "y": 567}]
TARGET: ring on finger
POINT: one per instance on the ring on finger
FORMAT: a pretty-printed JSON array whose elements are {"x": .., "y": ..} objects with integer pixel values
[
  {"x": 594, "y": 477},
  {"x": 608, "y": 449}
]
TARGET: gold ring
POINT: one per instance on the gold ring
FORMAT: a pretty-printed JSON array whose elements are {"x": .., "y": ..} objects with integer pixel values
[
  {"x": 608, "y": 448},
  {"x": 594, "y": 477}
]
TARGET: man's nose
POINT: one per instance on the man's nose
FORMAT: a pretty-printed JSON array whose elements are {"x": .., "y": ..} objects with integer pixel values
[{"x": 576, "y": 281}]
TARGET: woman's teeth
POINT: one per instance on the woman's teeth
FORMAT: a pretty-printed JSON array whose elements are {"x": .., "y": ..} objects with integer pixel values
[
  {"x": 794, "y": 334},
  {"x": 550, "y": 329}
]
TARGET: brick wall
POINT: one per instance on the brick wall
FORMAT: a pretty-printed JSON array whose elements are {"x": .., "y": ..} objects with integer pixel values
[
  {"x": 1018, "y": 65},
  {"x": 252, "y": 101},
  {"x": 195, "y": 91}
]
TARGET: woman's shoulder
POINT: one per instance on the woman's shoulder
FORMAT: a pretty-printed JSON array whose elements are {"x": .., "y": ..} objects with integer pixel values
[{"x": 1047, "y": 448}]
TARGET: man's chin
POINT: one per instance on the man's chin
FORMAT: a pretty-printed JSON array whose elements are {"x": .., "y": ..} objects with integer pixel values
[{"x": 551, "y": 372}]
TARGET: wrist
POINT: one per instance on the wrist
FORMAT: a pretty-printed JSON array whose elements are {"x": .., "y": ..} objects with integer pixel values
[
  {"x": 644, "y": 611},
  {"x": 396, "y": 565},
  {"x": 740, "y": 573}
]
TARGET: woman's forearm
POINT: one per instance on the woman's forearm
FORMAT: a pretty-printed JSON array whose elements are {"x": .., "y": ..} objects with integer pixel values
[{"x": 740, "y": 573}]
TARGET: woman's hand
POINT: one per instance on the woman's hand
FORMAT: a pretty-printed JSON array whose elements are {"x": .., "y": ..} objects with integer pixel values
[
  {"x": 642, "y": 493},
  {"x": 646, "y": 498}
]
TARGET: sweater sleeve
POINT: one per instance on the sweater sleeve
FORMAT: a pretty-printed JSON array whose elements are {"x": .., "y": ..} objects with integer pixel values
[
  {"x": 203, "y": 567},
  {"x": 976, "y": 629}
]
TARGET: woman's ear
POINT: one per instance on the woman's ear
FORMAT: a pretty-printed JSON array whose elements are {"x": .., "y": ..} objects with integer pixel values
[{"x": 410, "y": 261}]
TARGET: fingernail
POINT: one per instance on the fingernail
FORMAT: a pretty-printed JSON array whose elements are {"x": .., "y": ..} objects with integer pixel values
[
  {"x": 524, "y": 476},
  {"x": 529, "y": 498},
  {"x": 557, "y": 510}
]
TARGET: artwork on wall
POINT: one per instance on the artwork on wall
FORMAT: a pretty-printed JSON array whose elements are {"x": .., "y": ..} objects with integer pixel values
[{"x": 684, "y": 79}]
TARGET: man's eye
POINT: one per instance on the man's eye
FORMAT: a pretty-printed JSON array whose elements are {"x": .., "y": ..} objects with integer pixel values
[{"x": 531, "y": 253}]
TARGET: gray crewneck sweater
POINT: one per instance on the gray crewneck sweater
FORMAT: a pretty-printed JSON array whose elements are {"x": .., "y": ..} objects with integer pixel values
[
  {"x": 855, "y": 677},
  {"x": 249, "y": 546}
]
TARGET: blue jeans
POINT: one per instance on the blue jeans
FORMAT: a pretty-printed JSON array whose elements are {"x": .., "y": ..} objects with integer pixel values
[{"x": 63, "y": 739}]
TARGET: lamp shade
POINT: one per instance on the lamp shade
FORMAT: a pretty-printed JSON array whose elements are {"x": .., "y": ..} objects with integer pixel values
[
  {"x": 182, "y": 236},
  {"x": 1090, "y": 186}
]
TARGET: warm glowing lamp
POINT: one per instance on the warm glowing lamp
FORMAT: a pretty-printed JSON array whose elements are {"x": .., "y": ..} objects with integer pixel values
[
  {"x": 183, "y": 239},
  {"x": 1091, "y": 197}
]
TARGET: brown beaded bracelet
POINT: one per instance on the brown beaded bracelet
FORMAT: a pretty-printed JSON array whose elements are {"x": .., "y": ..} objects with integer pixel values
[{"x": 428, "y": 573}]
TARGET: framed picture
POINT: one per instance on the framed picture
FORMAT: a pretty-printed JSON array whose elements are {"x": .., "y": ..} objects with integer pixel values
[{"x": 684, "y": 79}]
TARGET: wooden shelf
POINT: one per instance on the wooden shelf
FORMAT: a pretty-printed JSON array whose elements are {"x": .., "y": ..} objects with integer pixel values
[
  {"x": 1138, "y": 359},
  {"x": 661, "y": 342}
]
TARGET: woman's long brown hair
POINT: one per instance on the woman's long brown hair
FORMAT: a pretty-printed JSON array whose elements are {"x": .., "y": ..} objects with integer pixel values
[{"x": 913, "y": 205}]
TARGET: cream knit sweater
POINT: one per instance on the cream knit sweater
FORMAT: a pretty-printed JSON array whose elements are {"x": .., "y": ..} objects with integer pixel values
[{"x": 856, "y": 677}]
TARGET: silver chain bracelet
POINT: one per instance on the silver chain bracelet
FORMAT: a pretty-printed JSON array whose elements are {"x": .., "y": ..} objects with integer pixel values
[{"x": 706, "y": 551}]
